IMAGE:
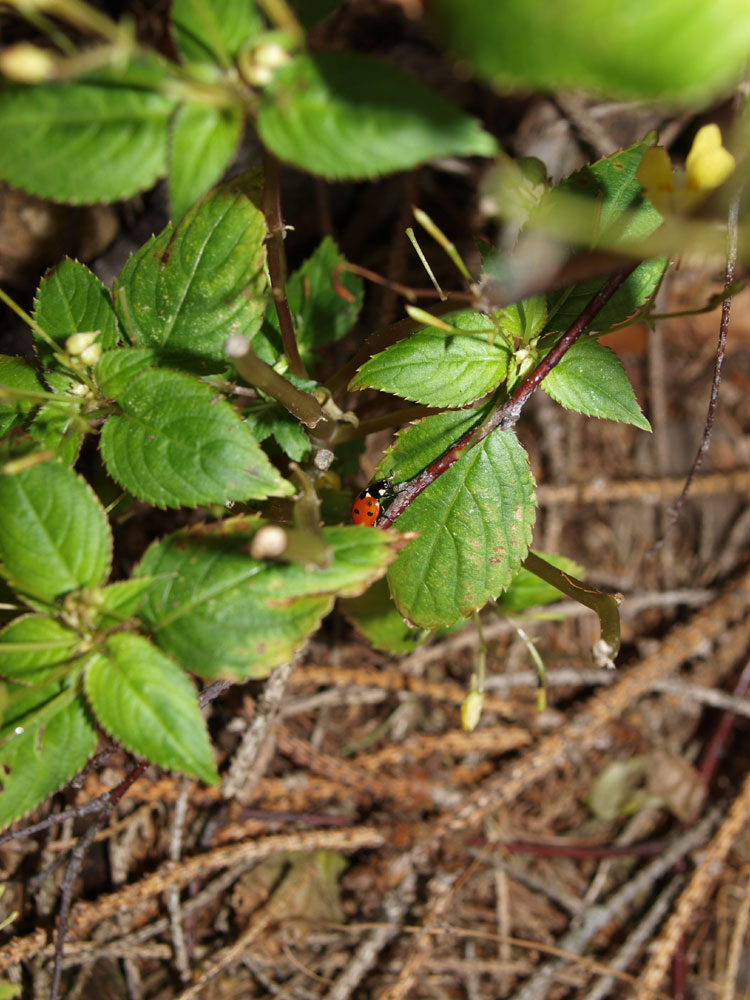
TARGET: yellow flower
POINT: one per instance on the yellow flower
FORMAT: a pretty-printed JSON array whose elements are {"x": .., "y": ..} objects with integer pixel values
[{"x": 676, "y": 192}]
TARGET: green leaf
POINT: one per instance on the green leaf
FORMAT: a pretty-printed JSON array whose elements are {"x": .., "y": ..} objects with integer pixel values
[
  {"x": 609, "y": 193},
  {"x": 187, "y": 289},
  {"x": 222, "y": 614},
  {"x": 56, "y": 430},
  {"x": 213, "y": 30},
  {"x": 72, "y": 300},
  {"x": 146, "y": 702},
  {"x": 474, "y": 521},
  {"x": 376, "y": 617},
  {"x": 438, "y": 368},
  {"x": 652, "y": 49},
  {"x": 47, "y": 740},
  {"x": 528, "y": 590},
  {"x": 565, "y": 307},
  {"x": 84, "y": 141},
  {"x": 320, "y": 314},
  {"x": 611, "y": 184},
  {"x": 203, "y": 141},
  {"x": 349, "y": 115},
  {"x": 273, "y": 421},
  {"x": 591, "y": 380},
  {"x": 16, "y": 373},
  {"x": 119, "y": 601},
  {"x": 174, "y": 443},
  {"x": 116, "y": 369},
  {"x": 54, "y": 534},
  {"x": 50, "y": 647},
  {"x": 525, "y": 320}
]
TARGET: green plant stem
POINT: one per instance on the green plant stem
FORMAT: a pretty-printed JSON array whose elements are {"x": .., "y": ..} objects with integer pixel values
[
  {"x": 507, "y": 414},
  {"x": 442, "y": 240},
  {"x": 28, "y": 320},
  {"x": 606, "y": 606},
  {"x": 396, "y": 418},
  {"x": 281, "y": 16},
  {"x": 302, "y": 405},
  {"x": 86, "y": 18},
  {"x": 541, "y": 670},
  {"x": 277, "y": 262}
]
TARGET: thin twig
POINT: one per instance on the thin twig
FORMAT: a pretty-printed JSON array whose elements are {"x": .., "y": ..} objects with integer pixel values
[
  {"x": 601, "y": 915},
  {"x": 694, "y": 896},
  {"x": 726, "y": 309},
  {"x": 395, "y": 906},
  {"x": 172, "y": 894},
  {"x": 257, "y": 735},
  {"x": 636, "y": 940},
  {"x": 739, "y": 930},
  {"x": 66, "y": 897}
]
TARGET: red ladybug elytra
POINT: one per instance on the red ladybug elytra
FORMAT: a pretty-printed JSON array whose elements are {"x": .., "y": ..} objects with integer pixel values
[{"x": 366, "y": 506}]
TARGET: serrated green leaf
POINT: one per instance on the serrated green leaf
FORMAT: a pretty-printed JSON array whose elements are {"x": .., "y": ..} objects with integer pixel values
[
  {"x": 120, "y": 601},
  {"x": 565, "y": 307},
  {"x": 147, "y": 702},
  {"x": 213, "y": 30},
  {"x": 622, "y": 212},
  {"x": 16, "y": 373},
  {"x": 528, "y": 590},
  {"x": 54, "y": 534},
  {"x": 116, "y": 369},
  {"x": 203, "y": 141},
  {"x": 56, "y": 430},
  {"x": 84, "y": 141},
  {"x": 523, "y": 321},
  {"x": 187, "y": 289},
  {"x": 174, "y": 443},
  {"x": 438, "y": 368},
  {"x": 590, "y": 379},
  {"x": 474, "y": 521},
  {"x": 222, "y": 614},
  {"x": 376, "y": 617},
  {"x": 349, "y": 115},
  {"x": 50, "y": 646},
  {"x": 47, "y": 740},
  {"x": 72, "y": 300},
  {"x": 619, "y": 213},
  {"x": 320, "y": 314},
  {"x": 630, "y": 48},
  {"x": 274, "y": 422}
]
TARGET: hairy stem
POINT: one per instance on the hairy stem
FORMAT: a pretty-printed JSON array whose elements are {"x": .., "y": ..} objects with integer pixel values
[{"x": 277, "y": 262}]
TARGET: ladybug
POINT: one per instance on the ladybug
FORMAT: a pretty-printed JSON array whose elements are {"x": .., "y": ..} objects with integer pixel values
[{"x": 366, "y": 507}]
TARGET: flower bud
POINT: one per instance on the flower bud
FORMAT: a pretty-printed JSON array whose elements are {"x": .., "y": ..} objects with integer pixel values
[
  {"x": 90, "y": 355},
  {"x": 471, "y": 710},
  {"x": 27, "y": 63},
  {"x": 78, "y": 342}
]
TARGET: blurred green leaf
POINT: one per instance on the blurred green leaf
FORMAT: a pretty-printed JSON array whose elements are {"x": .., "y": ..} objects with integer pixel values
[{"x": 350, "y": 115}]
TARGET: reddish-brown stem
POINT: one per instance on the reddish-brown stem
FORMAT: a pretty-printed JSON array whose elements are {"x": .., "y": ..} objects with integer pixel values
[
  {"x": 726, "y": 309},
  {"x": 507, "y": 414},
  {"x": 277, "y": 262}
]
